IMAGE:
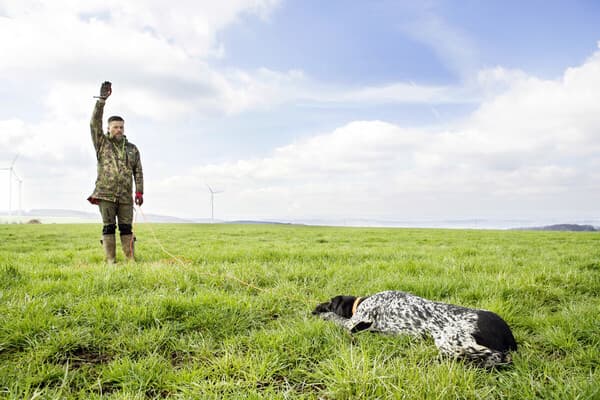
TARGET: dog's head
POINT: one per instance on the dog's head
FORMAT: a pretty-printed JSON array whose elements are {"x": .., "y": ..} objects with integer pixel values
[{"x": 341, "y": 305}]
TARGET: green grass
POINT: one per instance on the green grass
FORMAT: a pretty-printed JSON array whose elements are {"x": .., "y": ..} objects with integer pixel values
[{"x": 73, "y": 327}]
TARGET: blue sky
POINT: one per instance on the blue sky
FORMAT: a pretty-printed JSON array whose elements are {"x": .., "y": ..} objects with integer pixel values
[
  {"x": 353, "y": 44},
  {"x": 375, "y": 42},
  {"x": 306, "y": 109}
]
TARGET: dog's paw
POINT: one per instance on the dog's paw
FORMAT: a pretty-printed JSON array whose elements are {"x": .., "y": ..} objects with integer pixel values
[{"x": 361, "y": 326}]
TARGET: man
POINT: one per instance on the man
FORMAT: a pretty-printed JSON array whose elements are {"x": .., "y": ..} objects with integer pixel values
[{"x": 118, "y": 162}]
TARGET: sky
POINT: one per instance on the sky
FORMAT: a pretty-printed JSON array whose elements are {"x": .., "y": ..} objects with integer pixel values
[{"x": 388, "y": 110}]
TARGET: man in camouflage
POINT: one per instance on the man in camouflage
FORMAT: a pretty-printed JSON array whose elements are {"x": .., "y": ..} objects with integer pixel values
[{"x": 118, "y": 162}]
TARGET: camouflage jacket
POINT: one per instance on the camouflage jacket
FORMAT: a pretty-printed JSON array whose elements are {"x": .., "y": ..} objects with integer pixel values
[{"x": 118, "y": 162}]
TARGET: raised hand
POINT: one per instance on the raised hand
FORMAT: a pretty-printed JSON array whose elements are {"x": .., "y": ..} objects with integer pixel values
[{"x": 105, "y": 90}]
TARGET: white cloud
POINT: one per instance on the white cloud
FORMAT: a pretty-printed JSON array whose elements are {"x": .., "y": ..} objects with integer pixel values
[
  {"x": 159, "y": 58},
  {"x": 400, "y": 93},
  {"x": 13, "y": 130},
  {"x": 190, "y": 24},
  {"x": 535, "y": 144},
  {"x": 154, "y": 53}
]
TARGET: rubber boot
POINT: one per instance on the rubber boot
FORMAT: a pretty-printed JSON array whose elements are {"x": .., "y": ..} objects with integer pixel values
[
  {"x": 128, "y": 244},
  {"x": 110, "y": 248}
]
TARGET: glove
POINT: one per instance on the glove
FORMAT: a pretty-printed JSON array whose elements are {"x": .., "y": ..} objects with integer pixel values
[
  {"x": 139, "y": 198},
  {"x": 93, "y": 200},
  {"x": 105, "y": 90}
]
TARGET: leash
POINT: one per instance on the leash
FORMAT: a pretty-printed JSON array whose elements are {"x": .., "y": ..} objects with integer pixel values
[
  {"x": 206, "y": 273},
  {"x": 133, "y": 232}
]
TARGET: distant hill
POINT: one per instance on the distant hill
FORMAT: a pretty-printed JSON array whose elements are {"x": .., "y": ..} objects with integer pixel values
[
  {"x": 50, "y": 216},
  {"x": 562, "y": 228},
  {"x": 252, "y": 222},
  {"x": 61, "y": 215}
]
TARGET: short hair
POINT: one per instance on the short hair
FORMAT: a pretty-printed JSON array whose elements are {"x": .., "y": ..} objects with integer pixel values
[{"x": 115, "y": 118}]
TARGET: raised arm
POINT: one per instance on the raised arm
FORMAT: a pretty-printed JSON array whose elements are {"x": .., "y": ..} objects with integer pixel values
[{"x": 96, "y": 122}]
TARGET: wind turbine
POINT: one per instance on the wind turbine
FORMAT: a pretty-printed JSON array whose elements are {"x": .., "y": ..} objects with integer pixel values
[
  {"x": 11, "y": 172},
  {"x": 212, "y": 202},
  {"x": 20, "y": 191}
]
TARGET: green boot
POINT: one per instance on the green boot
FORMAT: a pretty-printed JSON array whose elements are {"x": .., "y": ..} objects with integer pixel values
[
  {"x": 128, "y": 244},
  {"x": 110, "y": 248}
]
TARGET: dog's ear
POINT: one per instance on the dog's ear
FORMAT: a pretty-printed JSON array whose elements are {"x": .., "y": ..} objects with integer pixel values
[
  {"x": 342, "y": 305},
  {"x": 335, "y": 301}
]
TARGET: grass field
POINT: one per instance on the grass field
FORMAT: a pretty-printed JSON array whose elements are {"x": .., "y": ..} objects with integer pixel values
[{"x": 73, "y": 327}]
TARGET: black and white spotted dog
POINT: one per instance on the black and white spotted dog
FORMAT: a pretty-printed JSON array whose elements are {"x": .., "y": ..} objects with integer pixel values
[{"x": 476, "y": 335}]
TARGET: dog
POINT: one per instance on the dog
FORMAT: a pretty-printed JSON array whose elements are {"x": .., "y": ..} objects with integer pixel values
[{"x": 479, "y": 336}]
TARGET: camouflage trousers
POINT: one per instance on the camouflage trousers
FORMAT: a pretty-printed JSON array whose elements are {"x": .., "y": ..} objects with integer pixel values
[{"x": 114, "y": 211}]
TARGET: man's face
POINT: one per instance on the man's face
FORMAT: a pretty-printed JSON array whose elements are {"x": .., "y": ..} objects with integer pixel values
[{"x": 116, "y": 129}]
